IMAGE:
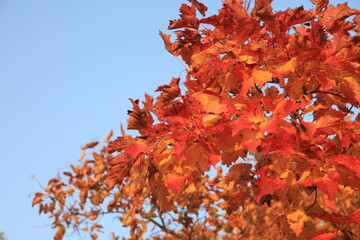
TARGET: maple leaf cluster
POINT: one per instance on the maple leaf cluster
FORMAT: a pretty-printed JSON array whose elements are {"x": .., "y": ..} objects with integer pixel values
[{"x": 259, "y": 141}]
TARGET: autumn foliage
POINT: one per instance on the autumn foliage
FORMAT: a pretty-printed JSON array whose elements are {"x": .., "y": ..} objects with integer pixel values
[{"x": 260, "y": 140}]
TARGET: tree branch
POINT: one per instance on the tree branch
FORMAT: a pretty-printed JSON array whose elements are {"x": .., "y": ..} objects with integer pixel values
[
  {"x": 165, "y": 229},
  {"x": 314, "y": 200},
  {"x": 334, "y": 94}
]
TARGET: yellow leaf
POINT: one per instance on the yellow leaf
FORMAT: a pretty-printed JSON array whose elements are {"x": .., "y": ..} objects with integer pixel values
[
  {"x": 304, "y": 176},
  {"x": 202, "y": 57},
  {"x": 285, "y": 174},
  {"x": 260, "y": 44},
  {"x": 69, "y": 191},
  {"x": 239, "y": 106},
  {"x": 129, "y": 216},
  {"x": 287, "y": 67},
  {"x": 247, "y": 59},
  {"x": 190, "y": 189},
  {"x": 209, "y": 120},
  {"x": 296, "y": 220},
  {"x": 261, "y": 76},
  {"x": 211, "y": 103}
]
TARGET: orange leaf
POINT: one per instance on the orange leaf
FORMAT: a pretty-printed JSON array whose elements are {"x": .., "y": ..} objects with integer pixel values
[
  {"x": 196, "y": 158},
  {"x": 355, "y": 217},
  {"x": 327, "y": 121},
  {"x": 107, "y": 138},
  {"x": 89, "y": 145},
  {"x": 166, "y": 39},
  {"x": 37, "y": 198},
  {"x": 252, "y": 144},
  {"x": 213, "y": 159},
  {"x": 60, "y": 232},
  {"x": 202, "y": 57},
  {"x": 169, "y": 92},
  {"x": 96, "y": 199},
  {"x": 266, "y": 185},
  {"x": 174, "y": 182},
  {"x": 284, "y": 108},
  {"x": 199, "y": 6},
  {"x": 239, "y": 171},
  {"x": 320, "y": 5},
  {"x": 325, "y": 184},
  {"x": 82, "y": 156},
  {"x": 325, "y": 236},
  {"x": 240, "y": 124},
  {"x": 134, "y": 149},
  {"x": 160, "y": 193}
]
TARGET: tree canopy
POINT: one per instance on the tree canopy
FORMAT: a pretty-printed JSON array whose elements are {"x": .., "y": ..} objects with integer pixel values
[{"x": 260, "y": 139}]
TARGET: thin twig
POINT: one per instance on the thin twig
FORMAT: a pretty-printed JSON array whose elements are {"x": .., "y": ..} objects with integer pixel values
[
  {"x": 165, "y": 229},
  {"x": 313, "y": 202},
  {"x": 348, "y": 111},
  {"x": 335, "y": 94}
]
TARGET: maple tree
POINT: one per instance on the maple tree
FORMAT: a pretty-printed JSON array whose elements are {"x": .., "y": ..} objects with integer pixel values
[{"x": 269, "y": 106}]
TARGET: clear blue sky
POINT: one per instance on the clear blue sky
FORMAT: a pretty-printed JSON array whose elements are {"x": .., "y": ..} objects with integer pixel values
[{"x": 67, "y": 69}]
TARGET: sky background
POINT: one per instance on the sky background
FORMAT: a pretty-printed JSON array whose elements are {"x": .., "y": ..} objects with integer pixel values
[{"x": 67, "y": 70}]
